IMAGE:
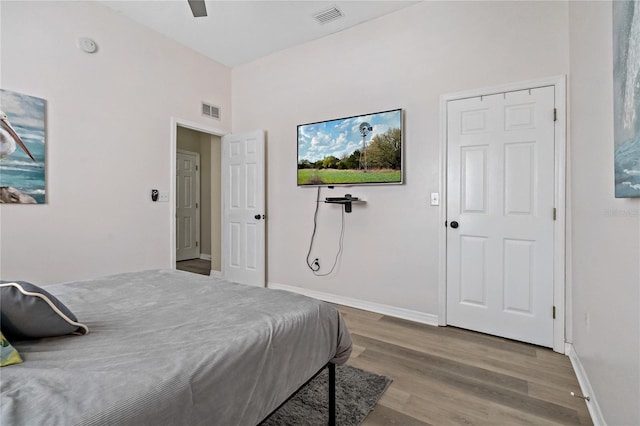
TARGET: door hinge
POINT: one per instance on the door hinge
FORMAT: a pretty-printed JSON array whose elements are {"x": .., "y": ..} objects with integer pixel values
[
  {"x": 554, "y": 213},
  {"x": 554, "y": 312},
  {"x": 197, "y": 246},
  {"x": 555, "y": 114},
  {"x": 197, "y": 165},
  {"x": 196, "y": 205}
]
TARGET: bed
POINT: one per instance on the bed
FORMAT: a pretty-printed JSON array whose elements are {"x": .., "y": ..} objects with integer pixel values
[{"x": 167, "y": 347}]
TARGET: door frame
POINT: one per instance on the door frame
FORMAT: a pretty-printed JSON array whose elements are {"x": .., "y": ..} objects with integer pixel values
[
  {"x": 173, "y": 150},
  {"x": 198, "y": 209},
  {"x": 561, "y": 303}
]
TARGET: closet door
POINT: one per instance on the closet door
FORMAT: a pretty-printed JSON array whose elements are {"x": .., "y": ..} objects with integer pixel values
[{"x": 500, "y": 214}]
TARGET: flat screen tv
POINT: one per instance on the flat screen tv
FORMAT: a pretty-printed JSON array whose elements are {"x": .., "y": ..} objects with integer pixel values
[{"x": 359, "y": 150}]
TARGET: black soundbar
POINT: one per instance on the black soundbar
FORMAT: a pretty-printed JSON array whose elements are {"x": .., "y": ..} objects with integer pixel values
[
  {"x": 346, "y": 200},
  {"x": 340, "y": 199}
]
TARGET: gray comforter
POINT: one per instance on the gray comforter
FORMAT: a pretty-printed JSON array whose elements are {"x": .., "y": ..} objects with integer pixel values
[{"x": 171, "y": 348}]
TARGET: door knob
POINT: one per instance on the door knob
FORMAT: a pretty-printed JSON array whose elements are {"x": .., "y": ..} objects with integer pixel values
[
  {"x": 259, "y": 216},
  {"x": 454, "y": 224}
]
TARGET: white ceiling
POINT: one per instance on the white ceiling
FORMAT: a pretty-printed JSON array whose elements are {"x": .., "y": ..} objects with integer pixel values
[{"x": 237, "y": 31}]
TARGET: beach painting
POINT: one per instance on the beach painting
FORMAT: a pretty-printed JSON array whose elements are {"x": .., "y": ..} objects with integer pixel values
[
  {"x": 626, "y": 97},
  {"x": 22, "y": 149}
]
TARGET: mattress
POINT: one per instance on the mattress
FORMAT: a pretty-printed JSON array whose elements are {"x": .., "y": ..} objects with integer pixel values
[{"x": 167, "y": 347}]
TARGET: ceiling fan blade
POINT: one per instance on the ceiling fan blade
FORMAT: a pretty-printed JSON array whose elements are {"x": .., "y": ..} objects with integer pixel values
[{"x": 198, "y": 8}]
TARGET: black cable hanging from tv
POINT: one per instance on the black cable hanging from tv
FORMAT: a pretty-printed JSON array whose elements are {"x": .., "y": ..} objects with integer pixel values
[{"x": 315, "y": 265}]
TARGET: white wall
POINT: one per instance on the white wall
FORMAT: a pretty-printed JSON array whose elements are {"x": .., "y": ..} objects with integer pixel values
[
  {"x": 404, "y": 60},
  {"x": 108, "y": 137},
  {"x": 605, "y": 230}
]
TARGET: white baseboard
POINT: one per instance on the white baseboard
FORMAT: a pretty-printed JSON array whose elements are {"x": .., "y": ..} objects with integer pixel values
[
  {"x": 205, "y": 256},
  {"x": 585, "y": 386},
  {"x": 217, "y": 274},
  {"x": 378, "y": 308}
]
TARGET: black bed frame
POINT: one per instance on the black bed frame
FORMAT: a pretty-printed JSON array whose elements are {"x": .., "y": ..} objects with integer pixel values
[{"x": 332, "y": 393}]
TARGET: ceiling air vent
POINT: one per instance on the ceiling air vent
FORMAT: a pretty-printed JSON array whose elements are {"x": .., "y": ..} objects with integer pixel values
[
  {"x": 211, "y": 111},
  {"x": 328, "y": 15}
]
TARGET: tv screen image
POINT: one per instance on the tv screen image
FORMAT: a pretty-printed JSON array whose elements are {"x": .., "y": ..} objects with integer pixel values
[{"x": 359, "y": 150}]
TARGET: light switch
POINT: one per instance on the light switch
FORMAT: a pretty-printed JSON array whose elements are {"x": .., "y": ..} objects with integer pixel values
[
  {"x": 435, "y": 198},
  {"x": 164, "y": 197}
]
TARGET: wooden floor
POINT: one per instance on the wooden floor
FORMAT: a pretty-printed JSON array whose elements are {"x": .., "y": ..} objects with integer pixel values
[
  {"x": 450, "y": 376},
  {"x": 197, "y": 266}
]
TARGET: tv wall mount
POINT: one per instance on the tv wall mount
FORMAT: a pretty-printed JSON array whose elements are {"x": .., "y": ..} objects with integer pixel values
[{"x": 346, "y": 201}]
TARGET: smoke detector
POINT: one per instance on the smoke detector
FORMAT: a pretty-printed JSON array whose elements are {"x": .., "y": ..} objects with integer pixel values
[{"x": 86, "y": 44}]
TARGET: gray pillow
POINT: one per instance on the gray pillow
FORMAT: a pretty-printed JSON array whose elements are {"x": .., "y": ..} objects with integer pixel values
[{"x": 27, "y": 311}]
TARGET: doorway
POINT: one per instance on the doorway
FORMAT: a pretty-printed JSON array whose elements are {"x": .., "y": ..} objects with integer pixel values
[
  {"x": 503, "y": 211},
  {"x": 198, "y": 239},
  {"x": 242, "y": 157}
]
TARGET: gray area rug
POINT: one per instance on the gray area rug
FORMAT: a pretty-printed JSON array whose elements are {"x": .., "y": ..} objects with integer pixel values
[{"x": 357, "y": 391}]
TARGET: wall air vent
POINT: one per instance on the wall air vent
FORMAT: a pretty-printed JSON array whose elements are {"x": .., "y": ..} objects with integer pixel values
[
  {"x": 211, "y": 110},
  {"x": 328, "y": 15}
]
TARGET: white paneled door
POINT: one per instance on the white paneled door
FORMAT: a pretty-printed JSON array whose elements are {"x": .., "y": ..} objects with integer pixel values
[
  {"x": 243, "y": 208},
  {"x": 187, "y": 213},
  {"x": 500, "y": 214}
]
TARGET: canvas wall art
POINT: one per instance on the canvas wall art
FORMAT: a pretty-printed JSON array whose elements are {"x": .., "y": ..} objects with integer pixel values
[
  {"x": 626, "y": 97},
  {"x": 22, "y": 149}
]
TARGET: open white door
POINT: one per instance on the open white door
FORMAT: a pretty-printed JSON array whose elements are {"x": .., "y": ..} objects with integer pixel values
[{"x": 243, "y": 208}]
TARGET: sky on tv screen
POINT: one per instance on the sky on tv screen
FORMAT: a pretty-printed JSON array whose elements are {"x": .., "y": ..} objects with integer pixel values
[{"x": 342, "y": 136}]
